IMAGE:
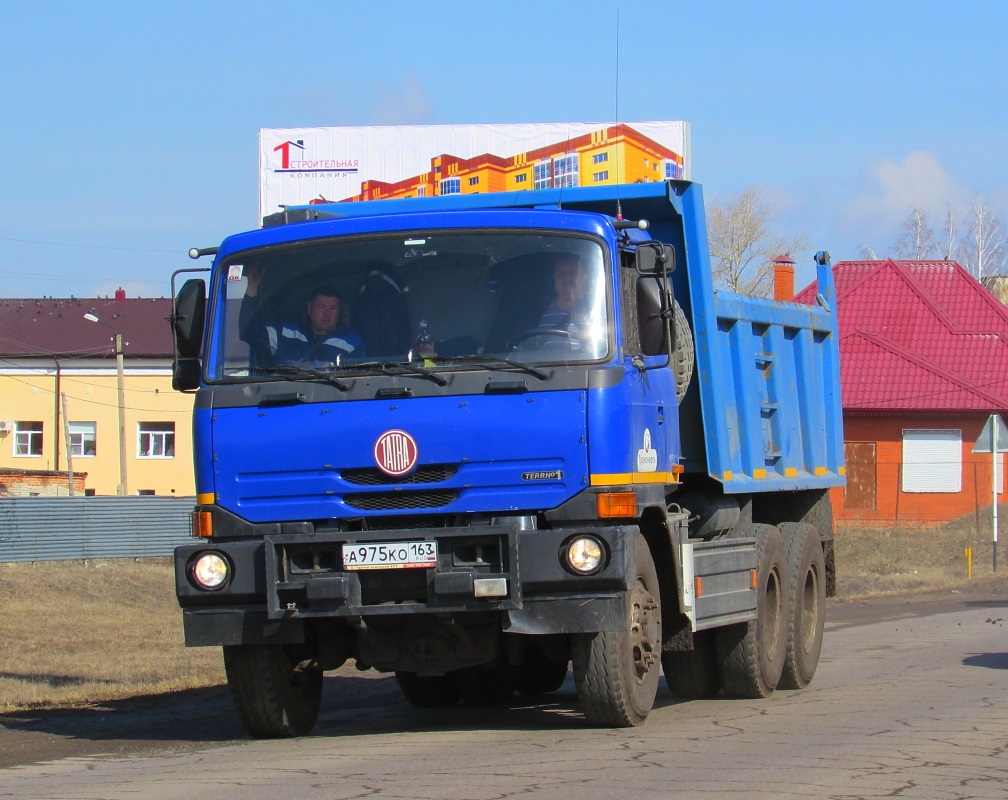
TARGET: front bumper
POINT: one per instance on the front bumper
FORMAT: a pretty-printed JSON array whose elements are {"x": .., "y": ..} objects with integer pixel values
[{"x": 283, "y": 582}]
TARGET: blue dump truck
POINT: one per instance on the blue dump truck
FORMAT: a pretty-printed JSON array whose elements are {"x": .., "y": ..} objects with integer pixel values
[{"x": 479, "y": 440}]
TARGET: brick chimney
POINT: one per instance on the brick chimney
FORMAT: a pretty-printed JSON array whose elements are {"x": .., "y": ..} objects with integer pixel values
[
  {"x": 783, "y": 277},
  {"x": 120, "y": 294}
]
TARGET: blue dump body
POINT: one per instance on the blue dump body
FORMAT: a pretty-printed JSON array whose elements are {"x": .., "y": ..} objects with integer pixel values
[{"x": 470, "y": 439}]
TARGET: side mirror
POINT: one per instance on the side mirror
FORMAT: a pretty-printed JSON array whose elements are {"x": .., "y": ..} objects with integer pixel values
[
  {"x": 187, "y": 321},
  {"x": 655, "y": 258}
]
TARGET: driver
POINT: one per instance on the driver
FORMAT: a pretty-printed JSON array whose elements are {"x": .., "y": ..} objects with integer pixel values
[
  {"x": 318, "y": 338},
  {"x": 568, "y": 310}
]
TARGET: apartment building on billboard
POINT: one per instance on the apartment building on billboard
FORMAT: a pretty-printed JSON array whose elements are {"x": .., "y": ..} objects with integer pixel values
[
  {"x": 62, "y": 397},
  {"x": 616, "y": 154}
]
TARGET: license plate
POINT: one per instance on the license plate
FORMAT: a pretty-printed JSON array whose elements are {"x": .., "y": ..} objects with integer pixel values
[{"x": 390, "y": 555}]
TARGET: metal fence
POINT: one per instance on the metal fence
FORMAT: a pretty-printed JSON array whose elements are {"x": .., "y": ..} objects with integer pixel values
[{"x": 76, "y": 528}]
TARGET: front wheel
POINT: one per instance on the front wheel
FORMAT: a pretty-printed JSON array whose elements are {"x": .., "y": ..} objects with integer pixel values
[
  {"x": 616, "y": 672},
  {"x": 274, "y": 698}
]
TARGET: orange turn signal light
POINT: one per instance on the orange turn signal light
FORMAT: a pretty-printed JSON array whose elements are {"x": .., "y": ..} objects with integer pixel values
[
  {"x": 616, "y": 504},
  {"x": 202, "y": 524}
]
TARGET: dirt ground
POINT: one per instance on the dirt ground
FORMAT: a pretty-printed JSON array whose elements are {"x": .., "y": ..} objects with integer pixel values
[{"x": 196, "y": 719}]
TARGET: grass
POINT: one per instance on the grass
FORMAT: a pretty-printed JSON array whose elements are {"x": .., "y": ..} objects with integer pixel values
[
  {"x": 89, "y": 632},
  {"x": 878, "y": 561},
  {"x": 74, "y": 632}
]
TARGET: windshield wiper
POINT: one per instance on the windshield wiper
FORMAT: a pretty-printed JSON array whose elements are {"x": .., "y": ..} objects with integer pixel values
[
  {"x": 496, "y": 362},
  {"x": 399, "y": 368},
  {"x": 292, "y": 372}
]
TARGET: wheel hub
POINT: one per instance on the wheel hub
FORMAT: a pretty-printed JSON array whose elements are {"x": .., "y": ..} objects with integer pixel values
[{"x": 645, "y": 630}]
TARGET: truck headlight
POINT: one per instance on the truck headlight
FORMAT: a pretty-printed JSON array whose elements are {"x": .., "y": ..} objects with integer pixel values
[
  {"x": 210, "y": 571},
  {"x": 584, "y": 554}
]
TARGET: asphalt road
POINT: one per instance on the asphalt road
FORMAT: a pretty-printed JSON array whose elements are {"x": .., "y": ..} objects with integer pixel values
[{"x": 910, "y": 701}]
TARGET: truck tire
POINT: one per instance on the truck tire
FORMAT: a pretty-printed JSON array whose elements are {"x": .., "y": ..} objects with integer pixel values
[
  {"x": 693, "y": 674},
  {"x": 751, "y": 654},
  {"x": 616, "y": 672},
  {"x": 540, "y": 674},
  {"x": 683, "y": 352},
  {"x": 427, "y": 691},
  {"x": 808, "y": 605},
  {"x": 272, "y": 698},
  {"x": 484, "y": 685}
]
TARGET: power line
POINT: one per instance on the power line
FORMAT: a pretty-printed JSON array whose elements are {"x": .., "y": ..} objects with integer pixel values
[{"x": 89, "y": 246}]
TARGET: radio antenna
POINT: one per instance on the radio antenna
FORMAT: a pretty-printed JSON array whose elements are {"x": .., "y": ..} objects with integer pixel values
[{"x": 619, "y": 209}]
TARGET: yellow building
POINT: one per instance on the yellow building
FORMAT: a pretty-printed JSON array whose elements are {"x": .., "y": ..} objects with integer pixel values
[
  {"x": 59, "y": 395},
  {"x": 617, "y": 154}
]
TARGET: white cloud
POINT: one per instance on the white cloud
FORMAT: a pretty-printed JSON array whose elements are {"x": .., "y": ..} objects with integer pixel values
[
  {"x": 403, "y": 101},
  {"x": 887, "y": 190}
]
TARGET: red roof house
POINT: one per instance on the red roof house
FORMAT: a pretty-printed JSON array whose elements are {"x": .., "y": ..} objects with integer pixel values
[{"x": 924, "y": 365}]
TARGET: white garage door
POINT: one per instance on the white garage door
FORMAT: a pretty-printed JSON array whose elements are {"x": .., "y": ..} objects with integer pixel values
[{"x": 932, "y": 461}]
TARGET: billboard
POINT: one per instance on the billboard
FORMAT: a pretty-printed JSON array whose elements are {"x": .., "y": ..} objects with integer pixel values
[{"x": 298, "y": 166}]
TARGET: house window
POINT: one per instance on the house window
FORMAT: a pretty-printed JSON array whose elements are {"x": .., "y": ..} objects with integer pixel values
[
  {"x": 600, "y": 158},
  {"x": 27, "y": 438},
  {"x": 932, "y": 461},
  {"x": 521, "y": 177},
  {"x": 82, "y": 439},
  {"x": 565, "y": 170},
  {"x": 543, "y": 178},
  {"x": 672, "y": 170},
  {"x": 156, "y": 440},
  {"x": 474, "y": 181},
  {"x": 145, "y": 492},
  {"x": 421, "y": 191},
  {"x": 451, "y": 186},
  {"x": 598, "y": 177}
]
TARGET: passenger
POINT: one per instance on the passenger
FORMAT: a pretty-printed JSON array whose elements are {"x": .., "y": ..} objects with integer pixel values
[
  {"x": 319, "y": 338},
  {"x": 568, "y": 311}
]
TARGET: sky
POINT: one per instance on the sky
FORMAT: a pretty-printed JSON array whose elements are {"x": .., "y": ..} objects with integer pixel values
[{"x": 130, "y": 129}]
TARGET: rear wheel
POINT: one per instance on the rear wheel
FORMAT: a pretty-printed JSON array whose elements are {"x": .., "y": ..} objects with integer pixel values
[
  {"x": 752, "y": 653},
  {"x": 274, "y": 698},
  {"x": 427, "y": 691},
  {"x": 808, "y": 605},
  {"x": 617, "y": 672},
  {"x": 540, "y": 674},
  {"x": 693, "y": 674},
  {"x": 484, "y": 685}
]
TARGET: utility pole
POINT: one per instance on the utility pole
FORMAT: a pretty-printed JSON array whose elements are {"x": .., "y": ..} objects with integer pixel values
[
  {"x": 69, "y": 447},
  {"x": 123, "y": 488}
]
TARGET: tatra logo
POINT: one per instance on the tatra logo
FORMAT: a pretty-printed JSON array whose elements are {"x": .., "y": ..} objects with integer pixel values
[
  {"x": 293, "y": 159},
  {"x": 396, "y": 453}
]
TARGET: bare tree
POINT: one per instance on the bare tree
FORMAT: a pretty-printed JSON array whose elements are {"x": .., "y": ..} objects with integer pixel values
[
  {"x": 948, "y": 245},
  {"x": 868, "y": 253},
  {"x": 917, "y": 242},
  {"x": 742, "y": 245},
  {"x": 984, "y": 249}
]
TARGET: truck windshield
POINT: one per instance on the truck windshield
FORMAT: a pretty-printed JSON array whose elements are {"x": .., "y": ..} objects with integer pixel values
[{"x": 436, "y": 300}]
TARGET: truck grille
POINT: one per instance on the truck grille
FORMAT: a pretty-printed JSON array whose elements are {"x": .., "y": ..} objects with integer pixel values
[
  {"x": 369, "y": 476},
  {"x": 391, "y": 501}
]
